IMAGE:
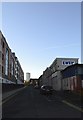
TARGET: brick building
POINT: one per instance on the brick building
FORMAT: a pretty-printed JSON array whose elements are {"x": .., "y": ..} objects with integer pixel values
[{"x": 10, "y": 68}]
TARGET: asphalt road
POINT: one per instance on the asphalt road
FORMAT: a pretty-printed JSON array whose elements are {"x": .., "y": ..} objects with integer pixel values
[{"x": 29, "y": 103}]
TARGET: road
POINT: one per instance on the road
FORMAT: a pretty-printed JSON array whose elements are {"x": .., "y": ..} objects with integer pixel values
[{"x": 29, "y": 103}]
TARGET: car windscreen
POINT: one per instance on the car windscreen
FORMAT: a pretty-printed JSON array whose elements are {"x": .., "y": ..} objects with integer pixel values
[{"x": 47, "y": 87}]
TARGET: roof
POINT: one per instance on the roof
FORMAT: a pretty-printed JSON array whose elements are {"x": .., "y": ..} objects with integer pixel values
[{"x": 74, "y": 65}]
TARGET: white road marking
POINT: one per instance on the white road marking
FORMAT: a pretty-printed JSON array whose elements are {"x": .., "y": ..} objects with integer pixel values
[{"x": 71, "y": 105}]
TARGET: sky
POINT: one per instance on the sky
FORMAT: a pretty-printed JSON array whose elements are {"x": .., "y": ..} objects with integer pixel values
[{"x": 38, "y": 33}]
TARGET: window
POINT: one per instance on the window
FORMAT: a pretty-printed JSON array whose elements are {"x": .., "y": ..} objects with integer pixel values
[
  {"x": 12, "y": 67},
  {"x": 2, "y": 69},
  {"x": 6, "y": 63},
  {"x": 2, "y": 56},
  {"x": 3, "y": 45}
]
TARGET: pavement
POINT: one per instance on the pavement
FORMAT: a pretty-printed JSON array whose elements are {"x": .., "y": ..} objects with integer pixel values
[
  {"x": 8, "y": 94},
  {"x": 5, "y": 95},
  {"x": 65, "y": 96}
]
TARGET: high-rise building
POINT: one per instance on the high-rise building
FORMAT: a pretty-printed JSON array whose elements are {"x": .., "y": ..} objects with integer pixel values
[{"x": 27, "y": 76}]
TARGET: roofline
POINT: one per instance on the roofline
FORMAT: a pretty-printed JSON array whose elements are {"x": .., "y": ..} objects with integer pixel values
[
  {"x": 66, "y": 58},
  {"x": 72, "y": 66}
]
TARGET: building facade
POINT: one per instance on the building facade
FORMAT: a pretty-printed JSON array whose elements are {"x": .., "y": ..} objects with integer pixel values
[
  {"x": 56, "y": 67},
  {"x": 52, "y": 75},
  {"x": 73, "y": 78},
  {"x": 0, "y": 59},
  {"x": 8, "y": 66},
  {"x": 61, "y": 63},
  {"x": 28, "y": 76}
]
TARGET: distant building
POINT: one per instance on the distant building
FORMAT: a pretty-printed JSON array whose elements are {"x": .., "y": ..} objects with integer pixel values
[
  {"x": 28, "y": 76},
  {"x": 34, "y": 81},
  {"x": 40, "y": 80}
]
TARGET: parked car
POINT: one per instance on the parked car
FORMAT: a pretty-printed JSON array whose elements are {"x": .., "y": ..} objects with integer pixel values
[
  {"x": 36, "y": 86},
  {"x": 46, "y": 89}
]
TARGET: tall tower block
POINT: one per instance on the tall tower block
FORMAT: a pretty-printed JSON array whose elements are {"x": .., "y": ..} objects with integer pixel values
[{"x": 27, "y": 76}]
